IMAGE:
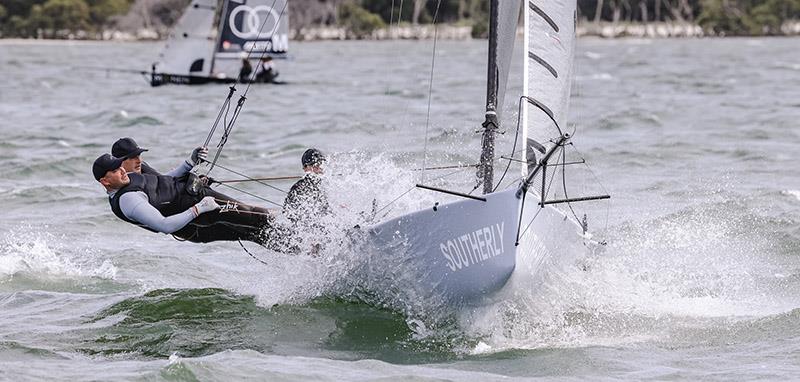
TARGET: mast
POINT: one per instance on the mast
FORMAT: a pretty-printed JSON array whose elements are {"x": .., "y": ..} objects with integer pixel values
[
  {"x": 491, "y": 122},
  {"x": 503, "y": 18}
]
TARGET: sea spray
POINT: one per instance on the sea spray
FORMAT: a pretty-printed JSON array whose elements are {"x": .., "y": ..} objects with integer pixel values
[
  {"x": 698, "y": 267},
  {"x": 38, "y": 253}
]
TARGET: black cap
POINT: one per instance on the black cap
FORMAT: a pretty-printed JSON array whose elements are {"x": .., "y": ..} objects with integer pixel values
[
  {"x": 105, "y": 163},
  {"x": 313, "y": 157},
  {"x": 126, "y": 148}
]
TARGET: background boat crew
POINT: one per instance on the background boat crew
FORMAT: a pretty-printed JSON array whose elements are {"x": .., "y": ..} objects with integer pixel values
[
  {"x": 246, "y": 71},
  {"x": 266, "y": 72},
  {"x": 130, "y": 152},
  {"x": 167, "y": 204}
]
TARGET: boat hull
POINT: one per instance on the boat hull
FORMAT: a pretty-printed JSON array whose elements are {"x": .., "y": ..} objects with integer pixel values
[
  {"x": 461, "y": 252},
  {"x": 158, "y": 79}
]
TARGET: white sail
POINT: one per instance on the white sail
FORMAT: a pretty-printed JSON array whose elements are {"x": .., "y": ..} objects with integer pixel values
[
  {"x": 507, "y": 19},
  {"x": 190, "y": 44},
  {"x": 550, "y": 46}
]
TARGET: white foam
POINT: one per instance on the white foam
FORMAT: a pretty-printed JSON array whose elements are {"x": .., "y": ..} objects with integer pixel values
[
  {"x": 794, "y": 193},
  {"x": 693, "y": 267},
  {"x": 41, "y": 253}
]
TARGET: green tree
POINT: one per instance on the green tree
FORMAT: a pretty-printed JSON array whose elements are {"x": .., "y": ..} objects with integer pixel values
[
  {"x": 767, "y": 17},
  {"x": 37, "y": 21},
  {"x": 101, "y": 10},
  {"x": 358, "y": 21},
  {"x": 72, "y": 15}
]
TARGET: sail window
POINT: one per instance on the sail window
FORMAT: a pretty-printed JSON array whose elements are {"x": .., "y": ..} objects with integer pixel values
[
  {"x": 197, "y": 65},
  {"x": 544, "y": 63},
  {"x": 546, "y": 18}
]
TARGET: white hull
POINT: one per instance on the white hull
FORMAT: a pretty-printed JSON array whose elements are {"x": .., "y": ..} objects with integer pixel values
[{"x": 465, "y": 250}]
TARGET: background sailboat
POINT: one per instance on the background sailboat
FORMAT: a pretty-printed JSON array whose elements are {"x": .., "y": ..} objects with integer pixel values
[
  {"x": 458, "y": 252},
  {"x": 196, "y": 53}
]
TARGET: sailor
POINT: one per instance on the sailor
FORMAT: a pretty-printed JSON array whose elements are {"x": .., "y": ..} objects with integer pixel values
[
  {"x": 244, "y": 73},
  {"x": 306, "y": 200},
  {"x": 180, "y": 206},
  {"x": 306, "y": 207},
  {"x": 127, "y": 149},
  {"x": 265, "y": 72}
]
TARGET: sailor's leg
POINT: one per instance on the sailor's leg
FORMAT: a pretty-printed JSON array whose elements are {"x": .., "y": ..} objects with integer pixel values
[{"x": 235, "y": 221}]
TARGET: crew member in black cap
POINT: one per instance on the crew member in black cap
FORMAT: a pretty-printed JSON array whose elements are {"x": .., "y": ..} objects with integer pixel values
[
  {"x": 306, "y": 206},
  {"x": 162, "y": 203},
  {"x": 306, "y": 200},
  {"x": 127, "y": 149}
]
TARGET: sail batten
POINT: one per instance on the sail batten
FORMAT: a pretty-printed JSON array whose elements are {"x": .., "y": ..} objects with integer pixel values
[
  {"x": 544, "y": 63},
  {"x": 544, "y": 15}
]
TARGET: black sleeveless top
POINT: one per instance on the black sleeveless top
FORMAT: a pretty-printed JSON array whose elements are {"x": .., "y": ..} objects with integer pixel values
[{"x": 167, "y": 194}]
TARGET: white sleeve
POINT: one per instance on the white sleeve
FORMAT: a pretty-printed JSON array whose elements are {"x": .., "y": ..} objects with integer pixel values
[
  {"x": 135, "y": 206},
  {"x": 181, "y": 170}
]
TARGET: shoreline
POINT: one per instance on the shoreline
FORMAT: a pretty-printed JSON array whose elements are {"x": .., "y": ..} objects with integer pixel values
[{"x": 606, "y": 30}]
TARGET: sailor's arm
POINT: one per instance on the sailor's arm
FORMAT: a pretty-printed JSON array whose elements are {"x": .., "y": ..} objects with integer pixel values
[
  {"x": 135, "y": 206},
  {"x": 199, "y": 154},
  {"x": 179, "y": 171}
]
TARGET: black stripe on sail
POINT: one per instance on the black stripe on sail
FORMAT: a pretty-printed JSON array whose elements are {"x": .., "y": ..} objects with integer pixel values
[
  {"x": 540, "y": 12},
  {"x": 544, "y": 63},
  {"x": 541, "y": 106}
]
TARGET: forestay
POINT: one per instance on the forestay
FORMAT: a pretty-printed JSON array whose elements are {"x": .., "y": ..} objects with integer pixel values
[
  {"x": 189, "y": 47},
  {"x": 550, "y": 46}
]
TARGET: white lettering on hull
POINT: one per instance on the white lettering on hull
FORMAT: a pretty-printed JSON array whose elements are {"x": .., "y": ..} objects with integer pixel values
[{"x": 474, "y": 247}]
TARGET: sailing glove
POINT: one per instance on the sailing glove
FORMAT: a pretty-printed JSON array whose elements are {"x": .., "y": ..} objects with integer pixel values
[
  {"x": 207, "y": 204},
  {"x": 198, "y": 155}
]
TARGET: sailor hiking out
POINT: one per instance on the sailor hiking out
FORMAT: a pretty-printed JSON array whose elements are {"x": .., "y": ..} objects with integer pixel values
[{"x": 183, "y": 206}]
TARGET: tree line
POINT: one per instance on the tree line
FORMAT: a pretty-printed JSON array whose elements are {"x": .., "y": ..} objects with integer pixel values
[{"x": 61, "y": 18}]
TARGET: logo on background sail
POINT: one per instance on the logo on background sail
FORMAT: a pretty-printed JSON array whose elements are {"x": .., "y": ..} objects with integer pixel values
[
  {"x": 251, "y": 21},
  {"x": 257, "y": 26}
]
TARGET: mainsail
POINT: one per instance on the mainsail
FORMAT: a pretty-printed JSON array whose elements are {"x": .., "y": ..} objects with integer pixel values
[
  {"x": 550, "y": 46},
  {"x": 190, "y": 44}
]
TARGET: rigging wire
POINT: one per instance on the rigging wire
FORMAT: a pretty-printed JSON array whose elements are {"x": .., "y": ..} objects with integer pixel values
[
  {"x": 430, "y": 92},
  {"x": 547, "y": 192},
  {"x": 251, "y": 255},
  {"x": 251, "y": 194},
  {"x": 250, "y": 179},
  {"x": 602, "y": 186},
  {"x": 514, "y": 147},
  {"x": 229, "y": 125},
  {"x": 564, "y": 183}
]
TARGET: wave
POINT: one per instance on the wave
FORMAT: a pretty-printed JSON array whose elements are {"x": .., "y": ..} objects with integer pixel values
[
  {"x": 36, "y": 254},
  {"x": 200, "y": 322},
  {"x": 792, "y": 193},
  {"x": 706, "y": 267}
]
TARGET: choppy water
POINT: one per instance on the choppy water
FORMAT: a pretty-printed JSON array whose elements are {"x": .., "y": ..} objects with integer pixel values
[{"x": 697, "y": 141}]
